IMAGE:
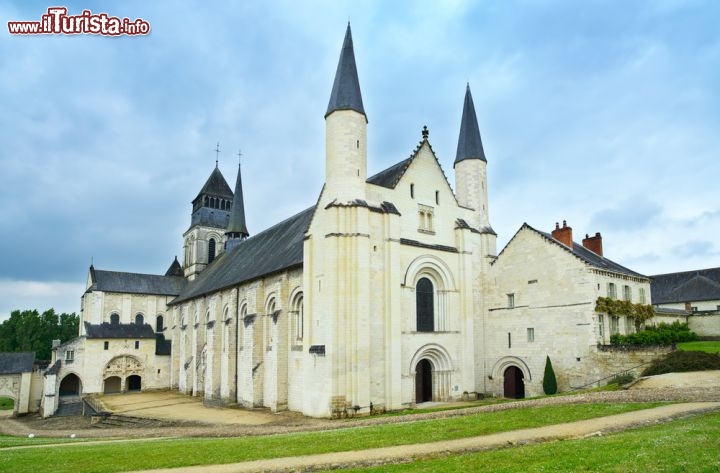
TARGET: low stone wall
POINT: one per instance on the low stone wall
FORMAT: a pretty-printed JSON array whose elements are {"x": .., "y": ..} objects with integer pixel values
[
  {"x": 605, "y": 361},
  {"x": 706, "y": 326}
]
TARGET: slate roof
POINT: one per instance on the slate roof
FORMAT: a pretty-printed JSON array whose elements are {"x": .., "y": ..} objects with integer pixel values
[
  {"x": 175, "y": 269},
  {"x": 390, "y": 177},
  {"x": 106, "y": 330},
  {"x": 687, "y": 286},
  {"x": 345, "y": 93},
  {"x": 215, "y": 185},
  {"x": 582, "y": 253},
  {"x": 13, "y": 363},
  {"x": 275, "y": 249},
  {"x": 237, "y": 225},
  {"x": 592, "y": 258},
  {"x": 469, "y": 142},
  {"x": 135, "y": 283}
]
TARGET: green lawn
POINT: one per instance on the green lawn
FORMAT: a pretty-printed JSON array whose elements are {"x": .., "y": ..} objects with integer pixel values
[
  {"x": 686, "y": 445},
  {"x": 708, "y": 347},
  {"x": 6, "y": 403},
  {"x": 185, "y": 452}
]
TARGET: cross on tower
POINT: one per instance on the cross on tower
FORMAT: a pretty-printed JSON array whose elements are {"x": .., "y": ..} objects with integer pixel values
[
  {"x": 239, "y": 155},
  {"x": 217, "y": 154}
]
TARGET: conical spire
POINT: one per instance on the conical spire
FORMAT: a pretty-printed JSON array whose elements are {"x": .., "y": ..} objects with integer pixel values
[
  {"x": 236, "y": 228},
  {"x": 175, "y": 269},
  {"x": 469, "y": 143},
  {"x": 346, "y": 88}
]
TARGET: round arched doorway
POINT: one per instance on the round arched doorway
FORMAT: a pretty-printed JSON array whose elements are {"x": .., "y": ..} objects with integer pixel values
[
  {"x": 423, "y": 381},
  {"x": 134, "y": 383},
  {"x": 513, "y": 383},
  {"x": 112, "y": 385},
  {"x": 70, "y": 386}
]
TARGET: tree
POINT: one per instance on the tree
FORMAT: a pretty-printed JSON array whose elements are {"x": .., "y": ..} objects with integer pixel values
[
  {"x": 28, "y": 330},
  {"x": 549, "y": 381}
]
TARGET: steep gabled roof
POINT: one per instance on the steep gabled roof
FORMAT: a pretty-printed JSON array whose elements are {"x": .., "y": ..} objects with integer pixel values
[
  {"x": 106, "y": 330},
  {"x": 135, "y": 283},
  {"x": 345, "y": 93},
  {"x": 13, "y": 363},
  {"x": 469, "y": 142},
  {"x": 216, "y": 185},
  {"x": 390, "y": 177},
  {"x": 275, "y": 249},
  {"x": 687, "y": 286},
  {"x": 580, "y": 252}
]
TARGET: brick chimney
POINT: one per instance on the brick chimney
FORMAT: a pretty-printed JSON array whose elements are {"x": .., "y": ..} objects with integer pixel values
[
  {"x": 564, "y": 234},
  {"x": 593, "y": 243}
]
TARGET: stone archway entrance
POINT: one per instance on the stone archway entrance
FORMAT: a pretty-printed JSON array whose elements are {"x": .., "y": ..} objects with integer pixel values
[
  {"x": 123, "y": 373},
  {"x": 134, "y": 383},
  {"x": 423, "y": 381},
  {"x": 70, "y": 386},
  {"x": 112, "y": 385},
  {"x": 514, "y": 384}
]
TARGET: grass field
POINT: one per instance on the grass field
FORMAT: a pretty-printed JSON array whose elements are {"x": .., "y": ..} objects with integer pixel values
[
  {"x": 6, "y": 403},
  {"x": 686, "y": 445},
  {"x": 183, "y": 452},
  {"x": 708, "y": 347}
]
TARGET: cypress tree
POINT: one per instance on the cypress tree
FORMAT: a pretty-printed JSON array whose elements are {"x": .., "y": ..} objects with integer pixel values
[{"x": 549, "y": 381}]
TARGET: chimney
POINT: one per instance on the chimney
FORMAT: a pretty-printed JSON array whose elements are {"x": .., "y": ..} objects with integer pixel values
[
  {"x": 593, "y": 243},
  {"x": 564, "y": 234}
]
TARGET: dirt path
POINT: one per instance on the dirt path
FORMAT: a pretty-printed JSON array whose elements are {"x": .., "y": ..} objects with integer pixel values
[{"x": 378, "y": 456}]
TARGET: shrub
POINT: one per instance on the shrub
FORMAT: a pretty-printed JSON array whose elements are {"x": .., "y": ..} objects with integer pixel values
[
  {"x": 549, "y": 381},
  {"x": 661, "y": 334},
  {"x": 683, "y": 361}
]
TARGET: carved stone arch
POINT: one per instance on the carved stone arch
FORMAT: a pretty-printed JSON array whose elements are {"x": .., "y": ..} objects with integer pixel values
[
  {"x": 432, "y": 368},
  {"x": 432, "y": 266},
  {"x": 507, "y": 361},
  {"x": 436, "y": 354},
  {"x": 123, "y": 366}
]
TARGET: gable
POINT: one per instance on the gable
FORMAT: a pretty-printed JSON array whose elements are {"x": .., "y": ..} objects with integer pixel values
[{"x": 422, "y": 168}]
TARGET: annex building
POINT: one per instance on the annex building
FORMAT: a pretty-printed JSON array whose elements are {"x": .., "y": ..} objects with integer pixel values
[{"x": 388, "y": 291}]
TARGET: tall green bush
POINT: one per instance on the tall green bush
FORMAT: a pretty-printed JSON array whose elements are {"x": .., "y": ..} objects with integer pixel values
[{"x": 549, "y": 381}]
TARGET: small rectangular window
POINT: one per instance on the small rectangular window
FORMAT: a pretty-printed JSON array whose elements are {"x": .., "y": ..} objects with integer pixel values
[
  {"x": 601, "y": 327},
  {"x": 627, "y": 293},
  {"x": 137, "y": 344},
  {"x": 611, "y": 291},
  {"x": 509, "y": 341},
  {"x": 511, "y": 301},
  {"x": 437, "y": 197},
  {"x": 412, "y": 191},
  {"x": 106, "y": 345},
  {"x": 642, "y": 295},
  {"x": 531, "y": 334},
  {"x": 69, "y": 355}
]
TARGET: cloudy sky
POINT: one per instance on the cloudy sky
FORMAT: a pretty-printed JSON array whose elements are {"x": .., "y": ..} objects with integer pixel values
[{"x": 603, "y": 113}]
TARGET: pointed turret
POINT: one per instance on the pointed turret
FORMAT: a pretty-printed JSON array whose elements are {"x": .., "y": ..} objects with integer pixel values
[
  {"x": 237, "y": 229},
  {"x": 471, "y": 166},
  {"x": 345, "y": 93},
  {"x": 175, "y": 269},
  {"x": 345, "y": 132},
  {"x": 469, "y": 143}
]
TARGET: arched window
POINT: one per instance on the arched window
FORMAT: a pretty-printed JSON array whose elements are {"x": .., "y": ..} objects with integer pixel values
[
  {"x": 425, "y": 305},
  {"x": 115, "y": 318},
  {"x": 298, "y": 317},
  {"x": 211, "y": 250},
  {"x": 159, "y": 323},
  {"x": 139, "y": 319}
]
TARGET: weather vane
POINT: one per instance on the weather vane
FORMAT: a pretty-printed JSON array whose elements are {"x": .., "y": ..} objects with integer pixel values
[
  {"x": 217, "y": 153},
  {"x": 239, "y": 155}
]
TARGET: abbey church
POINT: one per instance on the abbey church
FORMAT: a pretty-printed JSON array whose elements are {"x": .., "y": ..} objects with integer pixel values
[{"x": 388, "y": 292}]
